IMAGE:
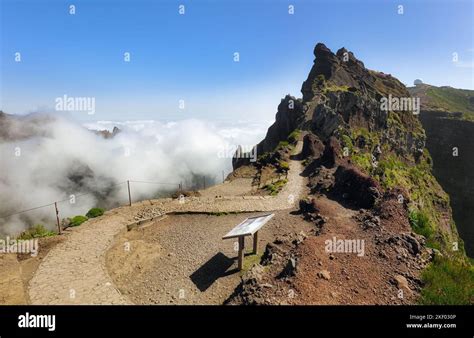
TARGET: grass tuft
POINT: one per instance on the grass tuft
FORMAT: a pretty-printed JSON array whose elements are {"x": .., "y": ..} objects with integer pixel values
[
  {"x": 447, "y": 282},
  {"x": 37, "y": 231}
]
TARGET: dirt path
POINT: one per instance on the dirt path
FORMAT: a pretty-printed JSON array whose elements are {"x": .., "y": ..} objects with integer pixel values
[
  {"x": 235, "y": 187},
  {"x": 74, "y": 272},
  {"x": 18, "y": 269}
]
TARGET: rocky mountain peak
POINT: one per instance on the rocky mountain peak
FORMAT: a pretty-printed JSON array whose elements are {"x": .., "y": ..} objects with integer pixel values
[
  {"x": 344, "y": 69},
  {"x": 342, "y": 100}
]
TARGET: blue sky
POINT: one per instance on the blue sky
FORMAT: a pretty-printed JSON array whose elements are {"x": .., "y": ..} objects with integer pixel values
[{"x": 190, "y": 57}]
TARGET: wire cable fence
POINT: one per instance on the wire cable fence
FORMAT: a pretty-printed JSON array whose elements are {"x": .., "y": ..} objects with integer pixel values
[{"x": 121, "y": 198}]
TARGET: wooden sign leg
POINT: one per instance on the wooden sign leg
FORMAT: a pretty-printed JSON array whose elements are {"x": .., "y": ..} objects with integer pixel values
[
  {"x": 241, "y": 252},
  {"x": 255, "y": 243}
]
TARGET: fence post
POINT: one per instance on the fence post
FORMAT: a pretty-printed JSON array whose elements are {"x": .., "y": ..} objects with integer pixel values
[
  {"x": 129, "y": 195},
  {"x": 57, "y": 217}
]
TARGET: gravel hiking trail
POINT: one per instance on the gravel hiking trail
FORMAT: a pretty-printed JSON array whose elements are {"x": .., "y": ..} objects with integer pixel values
[
  {"x": 74, "y": 271},
  {"x": 183, "y": 260}
]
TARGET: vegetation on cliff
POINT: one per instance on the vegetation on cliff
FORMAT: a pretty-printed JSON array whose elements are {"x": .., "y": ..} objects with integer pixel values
[{"x": 446, "y": 99}]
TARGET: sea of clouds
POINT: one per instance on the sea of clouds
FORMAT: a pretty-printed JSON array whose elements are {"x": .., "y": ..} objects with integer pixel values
[{"x": 63, "y": 160}]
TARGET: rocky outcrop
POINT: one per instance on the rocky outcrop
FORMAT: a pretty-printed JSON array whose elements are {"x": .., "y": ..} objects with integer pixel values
[
  {"x": 289, "y": 116},
  {"x": 255, "y": 286},
  {"x": 356, "y": 187},
  {"x": 16, "y": 128},
  {"x": 342, "y": 95},
  {"x": 332, "y": 153},
  {"x": 107, "y": 134},
  {"x": 330, "y": 66},
  {"x": 312, "y": 146},
  {"x": 344, "y": 69}
]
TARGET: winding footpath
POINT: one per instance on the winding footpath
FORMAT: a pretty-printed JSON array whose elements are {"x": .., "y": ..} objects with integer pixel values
[{"x": 74, "y": 271}]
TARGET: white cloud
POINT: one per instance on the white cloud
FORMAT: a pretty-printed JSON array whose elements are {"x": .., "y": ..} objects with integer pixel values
[{"x": 64, "y": 158}]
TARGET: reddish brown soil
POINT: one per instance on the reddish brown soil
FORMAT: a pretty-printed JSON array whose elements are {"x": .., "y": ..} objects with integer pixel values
[
  {"x": 323, "y": 277},
  {"x": 353, "y": 279}
]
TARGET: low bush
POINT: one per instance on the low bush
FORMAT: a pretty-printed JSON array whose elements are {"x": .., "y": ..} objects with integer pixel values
[
  {"x": 284, "y": 166},
  {"x": 37, "y": 231},
  {"x": 274, "y": 188},
  {"x": 77, "y": 220},
  {"x": 95, "y": 212},
  {"x": 294, "y": 136}
]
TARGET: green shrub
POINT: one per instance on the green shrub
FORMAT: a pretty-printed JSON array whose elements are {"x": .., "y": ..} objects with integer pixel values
[
  {"x": 274, "y": 188},
  {"x": 363, "y": 161},
  {"x": 448, "y": 282},
  {"x": 77, "y": 220},
  {"x": 37, "y": 231},
  {"x": 95, "y": 212},
  {"x": 294, "y": 136},
  {"x": 347, "y": 143},
  {"x": 283, "y": 144},
  {"x": 284, "y": 166},
  {"x": 371, "y": 138},
  {"x": 250, "y": 261},
  {"x": 420, "y": 223}
]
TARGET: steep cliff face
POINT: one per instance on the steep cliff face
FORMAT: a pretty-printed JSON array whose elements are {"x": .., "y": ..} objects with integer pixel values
[
  {"x": 449, "y": 141},
  {"x": 370, "y": 157},
  {"x": 289, "y": 117},
  {"x": 447, "y": 115}
]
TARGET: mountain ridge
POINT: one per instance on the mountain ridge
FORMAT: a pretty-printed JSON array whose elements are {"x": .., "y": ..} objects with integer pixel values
[
  {"x": 459, "y": 103},
  {"x": 364, "y": 158}
]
